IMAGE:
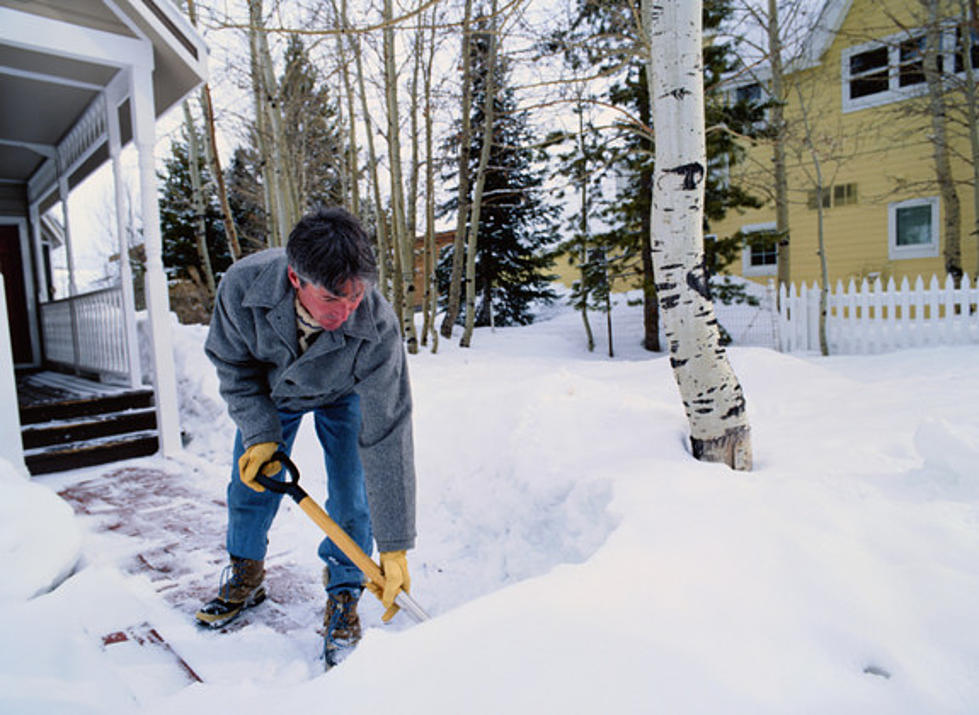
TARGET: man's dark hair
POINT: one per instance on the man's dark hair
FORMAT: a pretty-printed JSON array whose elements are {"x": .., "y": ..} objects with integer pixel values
[{"x": 329, "y": 247}]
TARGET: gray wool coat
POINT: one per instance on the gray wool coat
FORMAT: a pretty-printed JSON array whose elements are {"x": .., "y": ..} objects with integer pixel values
[{"x": 253, "y": 344}]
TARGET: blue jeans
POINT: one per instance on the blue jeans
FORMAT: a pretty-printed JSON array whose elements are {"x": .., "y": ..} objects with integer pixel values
[{"x": 250, "y": 513}]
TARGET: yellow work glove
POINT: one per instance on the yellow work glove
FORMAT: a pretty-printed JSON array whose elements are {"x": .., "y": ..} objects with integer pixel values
[
  {"x": 394, "y": 566},
  {"x": 253, "y": 458}
]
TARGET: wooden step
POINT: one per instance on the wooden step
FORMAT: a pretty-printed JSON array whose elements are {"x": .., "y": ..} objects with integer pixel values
[
  {"x": 85, "y": 406},
  {"x": 76, "y": 455},
  {"x": 94, "y": 427}
]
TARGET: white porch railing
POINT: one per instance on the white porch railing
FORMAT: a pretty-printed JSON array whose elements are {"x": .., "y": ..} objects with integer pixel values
[
  {"x": 877, "y": 318},
  {"x": 87, "y": 332}
]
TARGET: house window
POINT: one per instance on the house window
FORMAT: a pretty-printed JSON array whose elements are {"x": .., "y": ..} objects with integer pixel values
[
  {"x": 869, "y": 72},
  {"x": 748, "y": 93},
  {"x": 812, "y": 201},
  {"x": 960, "y": 50},
  {"x": 892, "y": 69},
  {"x": 911, "y": 68},
  {"x": 844, "y": 194},
  {"x": 837, "y": 195},
  {"x": 760, "y": 256},
  {"x": 912, "y": 228}
]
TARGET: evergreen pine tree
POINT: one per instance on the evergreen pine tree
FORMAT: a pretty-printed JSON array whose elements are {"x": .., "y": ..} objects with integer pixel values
[
  {"x": 517, "y": 228},
  {"x": 243, "y": 178},
  {"x": 314, "y": 137},
  {"x": 178, "y": 219}
]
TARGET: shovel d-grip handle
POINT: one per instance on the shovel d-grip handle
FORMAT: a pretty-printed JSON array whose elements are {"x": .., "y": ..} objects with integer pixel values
[{"x": 334, "y": 531}]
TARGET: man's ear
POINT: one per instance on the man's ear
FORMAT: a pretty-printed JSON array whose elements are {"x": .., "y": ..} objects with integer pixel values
[{"x": 293, "y": 278}]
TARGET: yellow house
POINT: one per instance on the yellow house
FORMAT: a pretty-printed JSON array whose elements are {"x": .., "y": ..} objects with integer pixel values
[{"x": 859, "y": 93}]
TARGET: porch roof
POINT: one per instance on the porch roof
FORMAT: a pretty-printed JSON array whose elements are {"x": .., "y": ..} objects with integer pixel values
[{"x": 58, "y": 56}]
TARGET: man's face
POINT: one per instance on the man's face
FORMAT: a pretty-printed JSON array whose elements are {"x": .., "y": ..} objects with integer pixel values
[{"x": 328, "y": 309}]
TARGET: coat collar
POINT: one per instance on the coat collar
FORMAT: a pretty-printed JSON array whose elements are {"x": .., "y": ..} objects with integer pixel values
[{"x": 271, "y": 289}]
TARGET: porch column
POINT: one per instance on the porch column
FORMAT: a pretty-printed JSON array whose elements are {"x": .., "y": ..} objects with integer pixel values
[
  {"x": 157, "y": 298},
  {"x": 70, "y": 258},
  {"x": 11, "y": 448},
  {"x": 125, "y": 270},
  {"x": 43, "y": 294}
]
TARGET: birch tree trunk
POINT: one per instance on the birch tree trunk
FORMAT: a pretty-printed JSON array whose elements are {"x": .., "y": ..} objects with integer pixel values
[
  {"x": 285, "y": 210},
  {"x": 778, "y": 145},
  {"x": 489, "y": 117},
  {"x": 821, "y": 190},
  {"x": 404, "y": 245},
  {"x": 583, "y": 190},
  {"x": 352, "y": 150},
  {"x": 939, "y": 141},
  {"x": 382, "y": 224},
  {"x": 214, "y": 159},
  {"x": 197, "y": 201},
  {"x": 462, "y": 209},
  {"x": 430, "y": 302},
  {"x": 971, "y": 24},
  {"x": 711, "y": 393}
]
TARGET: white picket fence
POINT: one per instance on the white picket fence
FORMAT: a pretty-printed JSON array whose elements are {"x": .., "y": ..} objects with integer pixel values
[{"x": 872, "y": 318}]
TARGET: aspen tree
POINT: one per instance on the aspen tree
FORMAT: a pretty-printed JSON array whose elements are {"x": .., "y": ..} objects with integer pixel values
[
  {"x": 430, "y": 302},
  {"x": 462, "y": 210},
  {"x": 778, "y": 129},
  {"x": 939, "y": 141},
  {"x": 821, "y": 189},
  {"x": 269, "y": 148},
  {"x": 404, "y": 245},
  {"x": 197, "y": 200},
  {"x": 711, "y": 393},
  {"x": 970, "y": 25},
  {"x": 381, "y": 227},
  {"x": 214, "y": 159},
  {"x": 351, "y": 198},
  {"x": 484, "y": 155}
]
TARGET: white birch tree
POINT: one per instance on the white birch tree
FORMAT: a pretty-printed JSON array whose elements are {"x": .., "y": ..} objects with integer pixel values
[{"x": 711, "y": 393}]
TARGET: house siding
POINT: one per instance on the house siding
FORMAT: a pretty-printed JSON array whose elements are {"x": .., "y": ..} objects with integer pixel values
[{"x": 883, "y": 149}]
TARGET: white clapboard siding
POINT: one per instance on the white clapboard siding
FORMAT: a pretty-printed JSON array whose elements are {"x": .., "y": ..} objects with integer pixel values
[{"x": 871, "y": 318}]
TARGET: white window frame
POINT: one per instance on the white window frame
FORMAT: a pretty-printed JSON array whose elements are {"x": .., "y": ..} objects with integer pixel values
[
  {"x": 895, "y": 92},
  {"x": 749, "y": 270},
  {"x": 921, "y": 250}
]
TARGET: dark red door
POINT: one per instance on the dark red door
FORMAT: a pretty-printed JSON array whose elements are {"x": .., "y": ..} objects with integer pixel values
[{"x": 12, "y": 268}]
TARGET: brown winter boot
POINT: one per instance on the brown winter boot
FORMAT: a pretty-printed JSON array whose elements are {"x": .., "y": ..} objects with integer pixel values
[
  {"x": 241, "y": 588},
  {"x": 341, "y": 625}
]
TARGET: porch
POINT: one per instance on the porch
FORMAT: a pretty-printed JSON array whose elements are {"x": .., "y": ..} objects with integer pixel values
[{"x": 81, "y": 80}]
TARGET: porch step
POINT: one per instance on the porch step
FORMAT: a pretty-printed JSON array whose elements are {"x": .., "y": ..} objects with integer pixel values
[
  {"x": 74, "y": 407},
  {"x": 75, "y": 455},
  {"x": 68, "y": 422},
  {"x": 93, "y": 427}
]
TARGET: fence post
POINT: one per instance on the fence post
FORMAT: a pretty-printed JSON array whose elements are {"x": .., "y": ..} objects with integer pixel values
[
  {"x": 950, "y": 319},
  {"x": 918, "y": 298}
]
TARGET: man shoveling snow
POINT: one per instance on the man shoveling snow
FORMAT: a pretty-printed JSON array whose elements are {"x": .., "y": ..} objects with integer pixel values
[{"x": 306, "y": 330}]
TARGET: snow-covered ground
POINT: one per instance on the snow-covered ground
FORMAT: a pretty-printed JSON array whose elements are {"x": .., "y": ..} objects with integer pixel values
[{"x": 574, "y": 556}]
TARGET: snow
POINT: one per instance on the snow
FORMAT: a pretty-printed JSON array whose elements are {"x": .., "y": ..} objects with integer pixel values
[{"x": 574, "y": 556}]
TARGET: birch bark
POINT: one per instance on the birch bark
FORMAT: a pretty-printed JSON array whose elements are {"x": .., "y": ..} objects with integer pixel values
[
  {"x": 778, "y": 145},
  {"x": 484, "y": 155},
  {"x": 939, "y": 141},
  {"x": 197, "y": 201},
  {"x": 382, "y": 224},
  {"x": 214, "y": 159},
  {"x": 462, "y": 209},
  {"x": 404, "y": 246},
  {"x": 711, "y": 393}
]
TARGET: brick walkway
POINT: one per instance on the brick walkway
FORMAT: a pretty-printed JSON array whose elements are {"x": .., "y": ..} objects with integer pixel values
[{"x": 174, "y": 535}]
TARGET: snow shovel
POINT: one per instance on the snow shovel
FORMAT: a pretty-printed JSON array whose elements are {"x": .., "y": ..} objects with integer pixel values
[{"x": 333, "y": 530}]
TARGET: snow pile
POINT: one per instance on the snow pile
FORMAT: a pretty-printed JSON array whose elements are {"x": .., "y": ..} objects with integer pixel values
[
  {"x": 40, "y": 542},
  {"x": 578, "y": 560}
]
